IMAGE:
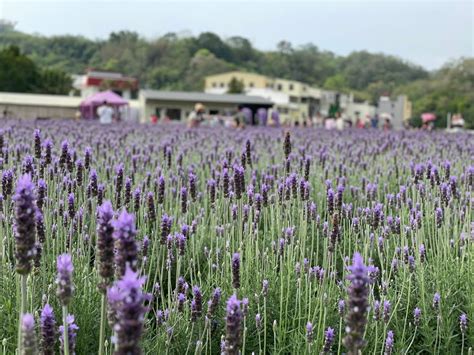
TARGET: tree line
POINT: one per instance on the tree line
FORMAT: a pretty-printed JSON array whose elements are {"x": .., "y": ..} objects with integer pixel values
[{"x": 178, "y": 62}]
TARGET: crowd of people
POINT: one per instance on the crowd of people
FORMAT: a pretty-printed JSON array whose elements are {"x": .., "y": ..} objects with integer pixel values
[{"x": 245, "y": 116}]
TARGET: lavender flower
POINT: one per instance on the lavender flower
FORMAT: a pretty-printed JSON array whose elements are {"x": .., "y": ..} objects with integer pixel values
[
  {"x": 28, "y": 337},
  {"x": 125, "y": 244},
  {"x": 25, "y": 210},
  {"x": 463, "y": 322},
  {"x": 181, "y": 300},
  {"x": 233, "y": 326},
  {"x": 64, "y": 278},
  {"x": 72, "y": 329},
  {"x": 387, "y": 307},
  {"x": 329, "y": 336},
  {"x": 128, "y": 303},
  {"x": 287, "y": 145},
  {"x": 389, "y": 343},
  {"x": 309, "y": 332},
  {"x": 105, "y": 243},
  {"x": 377, "y": 310},
  {"x": 356, "y": 317},
  {"x": 196, "y": 309},
  {"x": 416, "y": 316},
  {"x": 439, "y": 217},
  {"x": 184, "y": 200},
  {"x": 48, "y": 330},
  {"x": 151, "y": 208},
  {"x": 213, "y": 302},
  {"x": 341, "y": 305},
  {"x": 258, "y": 321},
  {"x": 236, "y": 270},
  {"x": 436, "y": 300}
]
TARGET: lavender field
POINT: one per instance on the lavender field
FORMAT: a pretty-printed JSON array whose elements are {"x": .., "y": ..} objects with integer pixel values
[{"x": 163, "y": 240}]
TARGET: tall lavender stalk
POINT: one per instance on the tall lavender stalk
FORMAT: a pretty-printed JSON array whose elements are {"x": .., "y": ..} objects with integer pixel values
[
  {"x": 358, "y": 292},
  {"x": 25, "y": 212},
  {"x": 125, "y": 243},
  {"x": 105, "y": 250},
  {"x": 48, "y": 330},
  {"x": 65, "y": 292},
  {"x": 29, "y": 345},
  {"x": 233, "y": 326},
  {"x": 128, "y": 306}
]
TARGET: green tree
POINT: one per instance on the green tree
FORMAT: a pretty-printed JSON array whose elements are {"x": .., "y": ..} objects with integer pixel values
[
  {"x": 53, "y": 81},
  {"x": 18, "y": 73},
  {"x": 235, "y": 86}
]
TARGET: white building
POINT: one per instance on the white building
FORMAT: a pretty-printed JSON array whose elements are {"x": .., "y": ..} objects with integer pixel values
[{"x": 399, "y": 110}]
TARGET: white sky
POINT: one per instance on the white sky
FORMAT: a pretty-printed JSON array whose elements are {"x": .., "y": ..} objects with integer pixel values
[{"x": 425, "y": 32}]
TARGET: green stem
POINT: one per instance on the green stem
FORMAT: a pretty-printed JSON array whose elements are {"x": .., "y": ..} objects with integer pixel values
[
  {"x": 65, "y": 332},
  {"x": 23, "y": 290},
  {"x": 103, "y": 320}
]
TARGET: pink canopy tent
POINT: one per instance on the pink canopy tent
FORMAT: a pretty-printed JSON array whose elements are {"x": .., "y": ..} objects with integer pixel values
[
  {"x": 428, "y": 117},
  {"x": 89, "y": 105}
]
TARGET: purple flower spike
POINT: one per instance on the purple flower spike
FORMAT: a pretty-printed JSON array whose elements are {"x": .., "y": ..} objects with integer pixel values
[
  {"x": 64, "y": 278},
  {"x": 214, "y": 302},
  {"x": 233, "y": 326},
  {"x": 309, "y": 332},
  {"x": 28, "y": 338},
  {"x": 105, "y": 243},
  {"x": 463, "y": 322},
  {"x": 127, "y": 301},
  {"x": 72, "y": 329},
  {"x": 125, "y": 243},
  {"x": 329, "y": 336},
  {"x": 236, "y": 270},
  {"x": 358, "y": 293},
  {"x": 417, "y": 316},
  {"x": 25, "y": 211},
  {"x": 48, "y": 330},
  {"x": 389, "y": 343},
  {"x": 436, "y": 300}
]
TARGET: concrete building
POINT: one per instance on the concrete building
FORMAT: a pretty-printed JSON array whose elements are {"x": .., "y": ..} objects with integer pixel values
[
  {"x": 400, "y": 109},
  {"x": 294, "y": 100},
  {"x": 94, "y": 81},
  {"x": 178, "y": 105},
  {"x": 34, "y": 106},
  {"x": 355, "y": 110},
  {"x": 38, "y": 106}
]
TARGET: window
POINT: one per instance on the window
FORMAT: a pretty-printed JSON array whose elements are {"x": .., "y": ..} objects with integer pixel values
[
  {"x": 251, "y": 85},
  {"x": 279, "y": 87},
  {"x": 290, "y": 87},
  {"x": 304, "y": 88},
  {"x": 173, "y": 113},
  {"x": 222, "y": 85},
  {"x": 214, "y": 85},
  {"x": 304, "y": 100},
  {"x": 293, "y": 99}
]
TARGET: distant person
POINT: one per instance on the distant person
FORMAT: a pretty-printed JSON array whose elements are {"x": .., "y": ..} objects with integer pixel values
[
  {"x": 330, "y": 123},
  {"x": 339, "y": 122},
  {"x": 387, "y": 125},
  {"x": 374, "y": 121},
  {"x": 262, "y": 116},
  {"x": 247, "y": 115},
  {"x": 275, "y": 118},
  {"x": 196, "y": 117},
  {"x": 106, "y": 113},
  {"x": 154, "y": 119}
]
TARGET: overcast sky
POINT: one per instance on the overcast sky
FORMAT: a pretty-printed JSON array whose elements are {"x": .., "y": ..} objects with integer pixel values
[{"x": 426, "y": 32}]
